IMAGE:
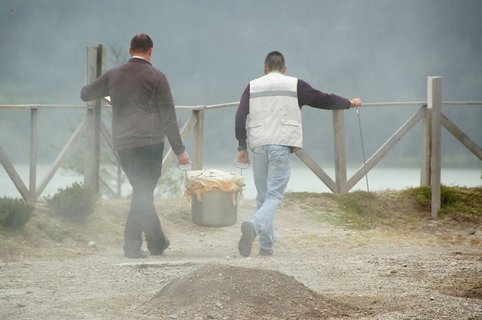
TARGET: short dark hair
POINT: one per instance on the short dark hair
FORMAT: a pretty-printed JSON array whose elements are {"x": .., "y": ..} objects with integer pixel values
[
  {"x": 274, "y": 60},
  {"x": 141, "y": 43}
]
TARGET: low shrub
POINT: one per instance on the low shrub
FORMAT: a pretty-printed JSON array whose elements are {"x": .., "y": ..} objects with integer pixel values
[
  {"x": 448, "y": 196},
  {"x": 76, "y": 202},
  {"x": 14, "y": 213}
]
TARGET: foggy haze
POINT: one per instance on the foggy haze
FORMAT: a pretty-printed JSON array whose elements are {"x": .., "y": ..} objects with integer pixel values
[{"x": 379, "y": 50}]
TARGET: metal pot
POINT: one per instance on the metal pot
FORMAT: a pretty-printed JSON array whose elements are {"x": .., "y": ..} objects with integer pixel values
[{"x": 216, "y": 209}]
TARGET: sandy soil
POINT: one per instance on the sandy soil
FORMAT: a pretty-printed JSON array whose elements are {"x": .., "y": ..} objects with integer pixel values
[{"x": 319, "y": 270}]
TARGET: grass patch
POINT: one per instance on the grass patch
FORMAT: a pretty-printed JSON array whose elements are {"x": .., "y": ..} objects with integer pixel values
[
  {"x": 360, "y": 208},
  {"x": 353, "y": 210},
  {"x": 459, "y": 203},
  {"x": 392, "y": 208}
]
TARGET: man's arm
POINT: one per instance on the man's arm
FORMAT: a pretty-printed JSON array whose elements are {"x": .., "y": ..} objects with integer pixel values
[
  {"x": 167, "y": 112},
  {"x": 317, "y": 99},
  {"x": 240, "y": 121},
  {"x": 96, "y": 90}
]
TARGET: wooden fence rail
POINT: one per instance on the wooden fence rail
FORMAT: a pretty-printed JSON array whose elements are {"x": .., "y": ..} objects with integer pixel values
[
  {"x": 429, "y": 113},
  {"x": 195, "y": 126}
]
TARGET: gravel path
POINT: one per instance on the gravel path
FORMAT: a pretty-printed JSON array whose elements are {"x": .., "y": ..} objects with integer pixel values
[{"x": 381, "y": 273}]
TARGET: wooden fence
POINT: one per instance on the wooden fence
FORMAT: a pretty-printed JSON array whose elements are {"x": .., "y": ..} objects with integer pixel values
[{"x": 429, "y": 113}]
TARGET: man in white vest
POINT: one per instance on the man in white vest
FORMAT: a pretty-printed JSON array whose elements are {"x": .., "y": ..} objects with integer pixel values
[{"x": 268, "y": 118}]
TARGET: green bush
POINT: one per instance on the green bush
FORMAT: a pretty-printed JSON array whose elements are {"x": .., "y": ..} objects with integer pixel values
[
  {"x": 14, "y": 213},
  {"x": 448, "y": 196},
  {"x": 75, "y": 202}
]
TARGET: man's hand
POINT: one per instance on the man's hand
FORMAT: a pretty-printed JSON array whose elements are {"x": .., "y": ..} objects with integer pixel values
[
  {"x": 243, "y": 157},
  {"x": 355, "y": 103},
  {"x": 183, "y": 158}
]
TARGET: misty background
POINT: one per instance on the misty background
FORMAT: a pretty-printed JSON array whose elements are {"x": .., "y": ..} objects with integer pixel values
[{"x": 378, "y": 50}]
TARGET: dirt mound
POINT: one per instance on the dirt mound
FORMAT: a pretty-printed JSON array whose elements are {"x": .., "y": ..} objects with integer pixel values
[{"x": 227, "y": 292}]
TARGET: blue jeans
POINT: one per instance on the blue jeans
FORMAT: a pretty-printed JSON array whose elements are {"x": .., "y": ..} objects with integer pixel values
[{"x": 271, "y": 170}]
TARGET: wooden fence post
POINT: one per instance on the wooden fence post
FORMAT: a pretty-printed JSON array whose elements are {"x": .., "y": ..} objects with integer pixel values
[
  {"x": 92, "y": 161},
  {"x": 33, "y": 153},
  {"x": 434, "y": 100},
  {"x": 425, "y": 175},
  {"x": 198, "y": 140},
  {"x": 340, "y": 150}
]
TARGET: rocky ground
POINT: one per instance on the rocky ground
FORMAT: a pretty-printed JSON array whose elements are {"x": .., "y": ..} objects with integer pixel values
[{"x": 321, "y": 269}]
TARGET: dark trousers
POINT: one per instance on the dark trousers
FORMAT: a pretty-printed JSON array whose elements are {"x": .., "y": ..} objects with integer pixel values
[{"x": 142, "y": 167}]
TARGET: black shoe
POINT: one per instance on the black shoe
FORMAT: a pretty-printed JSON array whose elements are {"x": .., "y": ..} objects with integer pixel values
[
  {"x": 265, "y": 252},
  {"x": 136, "y": 255},
  {"x": 160, "y": 251},
  {"x": 248, "y": 234}
]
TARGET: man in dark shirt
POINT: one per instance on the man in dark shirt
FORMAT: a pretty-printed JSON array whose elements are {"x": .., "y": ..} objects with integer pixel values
[
  {"x": 142, "y": 114},
  {"x": 273, "y": 103}
]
